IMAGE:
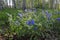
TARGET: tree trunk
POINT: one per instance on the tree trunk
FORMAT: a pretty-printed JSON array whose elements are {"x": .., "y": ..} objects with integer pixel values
[
  {"x": 32, "y": 3},
  {"x": 14, "y": 3},
  {"x": 24, "y": 4},
  {"x": 1, "y": 4},
  {"x": 38, "y": 3},
  {"x": 43, "y": 4},
  {"x": 52, "y": 4}
]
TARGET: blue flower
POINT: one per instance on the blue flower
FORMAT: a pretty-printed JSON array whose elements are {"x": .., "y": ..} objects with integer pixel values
[
  {"x": 58, "y": 19},
  {"x": 19, "y": 14},
  {"x": 47, "y": 12},
  {"x": 30, "y": 22},
  {"x": 48, "y": 15}
]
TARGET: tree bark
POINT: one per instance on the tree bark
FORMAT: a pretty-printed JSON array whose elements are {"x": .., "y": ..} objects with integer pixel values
[
  {"x": 14, "y": 3},
  {"x": 43, "y": 4},
  {"x": 24, "y": 4},
  {"x": 1, "y": 4}
]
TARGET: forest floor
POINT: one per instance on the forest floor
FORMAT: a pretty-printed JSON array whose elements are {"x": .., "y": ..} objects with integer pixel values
[{"x": 53, "y": 35}]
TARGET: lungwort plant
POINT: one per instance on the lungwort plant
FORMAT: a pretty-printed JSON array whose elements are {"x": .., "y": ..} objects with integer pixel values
[{"x": 31, "y": 23}]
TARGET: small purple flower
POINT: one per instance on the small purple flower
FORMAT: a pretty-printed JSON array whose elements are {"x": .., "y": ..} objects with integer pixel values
[
  {"x": 48, "y": 15},
  {"x": 58, "y": 19},
  {"x": 47, "y": 12},
  {"x": 30, "y": 22},
  {"x": 19, "y": 14}
]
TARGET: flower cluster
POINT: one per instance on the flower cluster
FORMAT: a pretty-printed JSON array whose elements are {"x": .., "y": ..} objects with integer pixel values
[
  {"x": 48, "y": 15},
  {"x": 30, "y": 22},
  {"x": 58, "y": 19}
]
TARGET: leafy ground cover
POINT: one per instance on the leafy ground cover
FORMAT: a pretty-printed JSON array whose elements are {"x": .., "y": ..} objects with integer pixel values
[{"x": 34, "y": 24}]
